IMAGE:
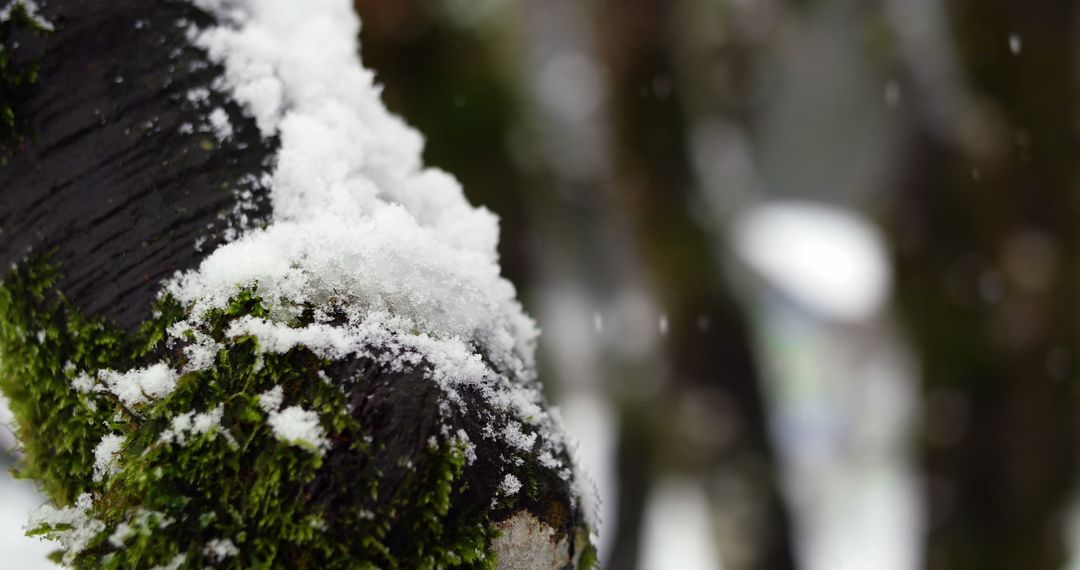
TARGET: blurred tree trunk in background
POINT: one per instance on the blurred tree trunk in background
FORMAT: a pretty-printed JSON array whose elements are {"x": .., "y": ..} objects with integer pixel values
[
  {"x": 709, "y": 353},
  {"x": 985, "y": 231},
  {"x": 711, "y": 378}
]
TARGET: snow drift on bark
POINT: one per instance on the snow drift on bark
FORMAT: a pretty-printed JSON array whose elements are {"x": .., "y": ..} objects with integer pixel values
[{"x": 389, "y": 253}]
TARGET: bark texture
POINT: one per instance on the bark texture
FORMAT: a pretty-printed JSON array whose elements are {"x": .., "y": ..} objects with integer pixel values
[{"x": 106, "y": 177}]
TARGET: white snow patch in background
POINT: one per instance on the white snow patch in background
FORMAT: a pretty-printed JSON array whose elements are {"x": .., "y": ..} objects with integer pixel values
[
  {"x": 142, "y": 385},
  {"x": 16, "y": 499},
  {"x": 7, "y": 426},
  {"x": 677, "y": 530},
  {"x": 105, "y": 456},
  {"x": 297, "y": 426},
  {"x": 1072, "y": 535},
  {"x": 16, "y": 549},
  {"x": 843, "y": 403},
  {"x": 830, "y": 260},
  {"x": 591, "y": 419}
]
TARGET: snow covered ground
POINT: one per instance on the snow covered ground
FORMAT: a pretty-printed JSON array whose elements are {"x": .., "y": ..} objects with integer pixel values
[
  {"x": 17, "y": 550},
  {"x": 17, "y": 498}
]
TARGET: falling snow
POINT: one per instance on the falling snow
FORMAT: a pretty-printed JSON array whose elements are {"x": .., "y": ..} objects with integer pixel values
[{"x": 1015, "y": 44}]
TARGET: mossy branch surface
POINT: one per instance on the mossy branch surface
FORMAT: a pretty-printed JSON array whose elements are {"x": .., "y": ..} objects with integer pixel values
[{"x": 399, "y": 485}]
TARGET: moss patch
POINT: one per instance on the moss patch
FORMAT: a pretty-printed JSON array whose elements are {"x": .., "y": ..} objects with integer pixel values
[{"x": 366, "y": 503}]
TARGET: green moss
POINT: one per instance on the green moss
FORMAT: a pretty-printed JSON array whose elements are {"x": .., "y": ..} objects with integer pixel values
[
  {"x": 235, "y": 481},
  {"x": 42, "y": 342},
  {"x": 589, "y": 558},
  {"x": 17, "y": 80}
]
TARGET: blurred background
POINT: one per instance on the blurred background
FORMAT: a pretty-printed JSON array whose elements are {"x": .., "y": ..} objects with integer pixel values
[{"x": 807, "y": 270}]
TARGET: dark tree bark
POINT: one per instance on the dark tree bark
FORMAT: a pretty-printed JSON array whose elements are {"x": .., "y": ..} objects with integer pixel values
[{"x": 105, "y": 177}]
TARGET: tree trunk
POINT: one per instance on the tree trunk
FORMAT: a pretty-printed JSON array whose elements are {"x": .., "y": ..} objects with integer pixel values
[
  {"x": 170, "y": 436},
  {"x": 987, "y": 278},
  {"x": 711, "y": 359}
]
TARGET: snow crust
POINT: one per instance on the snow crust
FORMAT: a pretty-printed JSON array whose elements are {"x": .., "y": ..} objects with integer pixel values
[
  {"x": 395, "y": 262},
  {"x": 7, "y": 426},
  {"x": 358, "y": 221}
]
